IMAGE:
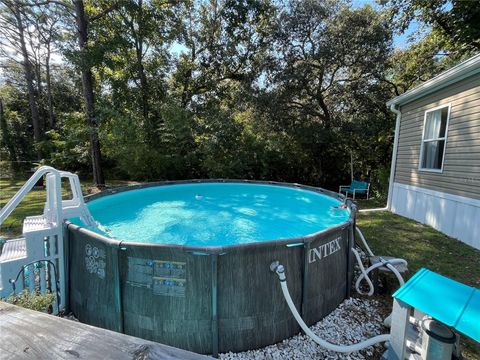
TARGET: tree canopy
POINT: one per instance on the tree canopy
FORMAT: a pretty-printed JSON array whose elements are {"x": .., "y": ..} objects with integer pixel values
[{"x": 256, "y": 89}]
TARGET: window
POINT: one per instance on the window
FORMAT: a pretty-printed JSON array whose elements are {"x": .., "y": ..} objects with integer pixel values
[{"x": 434, "y": 139}]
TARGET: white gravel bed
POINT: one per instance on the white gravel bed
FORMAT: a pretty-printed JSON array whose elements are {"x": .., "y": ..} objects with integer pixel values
[{"x": 355, "y": 320}]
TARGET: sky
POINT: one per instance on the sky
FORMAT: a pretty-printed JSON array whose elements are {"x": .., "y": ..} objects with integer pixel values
[{"x": 399, "y": 40}]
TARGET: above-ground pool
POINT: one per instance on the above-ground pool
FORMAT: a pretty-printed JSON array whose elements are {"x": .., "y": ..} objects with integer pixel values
[{"x": 187, "y": 263}]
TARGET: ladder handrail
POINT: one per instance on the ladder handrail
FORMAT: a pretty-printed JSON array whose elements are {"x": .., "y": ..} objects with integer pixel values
[
  {"x": 37, "y": 230},
  {"x": 23, "y": 191},
  {"x": 54, "y": 205}
]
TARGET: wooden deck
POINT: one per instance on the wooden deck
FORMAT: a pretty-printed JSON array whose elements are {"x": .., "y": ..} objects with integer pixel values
[{"x": 27, "y": 334}]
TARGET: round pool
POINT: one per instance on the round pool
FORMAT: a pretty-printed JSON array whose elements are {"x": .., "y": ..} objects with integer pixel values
[
  {"x": 216, "y": 214},
  {"x": 187, "y": 263}
]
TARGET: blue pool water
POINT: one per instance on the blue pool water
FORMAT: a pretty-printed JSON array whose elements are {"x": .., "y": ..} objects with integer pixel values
[{"x": 215, "y": 214}]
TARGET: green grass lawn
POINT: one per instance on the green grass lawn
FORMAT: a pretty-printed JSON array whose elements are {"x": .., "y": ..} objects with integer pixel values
[
  {"x": 32, "y": 204},
  {"x": 422, "y": 246},
  {"x": 388, "y": 234}
]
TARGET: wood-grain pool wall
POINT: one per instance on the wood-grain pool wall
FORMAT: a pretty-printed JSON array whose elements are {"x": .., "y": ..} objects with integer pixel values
[{"x": 207, "y": 299}]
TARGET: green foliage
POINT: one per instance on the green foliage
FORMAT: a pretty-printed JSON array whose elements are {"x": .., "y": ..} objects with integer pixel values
[
  {"x": 67, "y": 146},
  {"x": 452, "y": 35},
  {"x": 32, "y": 301},
  {"x": 255, "y": 89},
  {"x": 456, "y": 21},
  {"x": 14, "y": 127}
]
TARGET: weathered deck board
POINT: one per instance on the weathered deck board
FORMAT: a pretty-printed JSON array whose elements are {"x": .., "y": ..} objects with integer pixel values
[{"x": 27, "y": 334}]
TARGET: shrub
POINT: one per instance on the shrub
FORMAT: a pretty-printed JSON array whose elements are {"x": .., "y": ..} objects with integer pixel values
[{"x": 32, "y": 300}]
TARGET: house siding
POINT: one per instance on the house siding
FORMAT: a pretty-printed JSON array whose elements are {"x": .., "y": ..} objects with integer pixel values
[
  {"x": 461, "y": 169},
  {"x": 448, "y": 201},
  {"x": 453, "y": 215}
]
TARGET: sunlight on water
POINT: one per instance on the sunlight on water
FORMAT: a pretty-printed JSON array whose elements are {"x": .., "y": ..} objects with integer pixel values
[{"x": 215, "y": 214}]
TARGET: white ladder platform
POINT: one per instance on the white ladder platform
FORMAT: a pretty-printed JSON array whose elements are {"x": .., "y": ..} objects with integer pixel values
[{"x": 14, "y": 249}]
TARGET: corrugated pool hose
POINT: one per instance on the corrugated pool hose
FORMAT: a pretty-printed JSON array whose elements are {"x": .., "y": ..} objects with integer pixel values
[
  {"x": 364, "y": 275},
  {"x": 364, "y": 272},
  {"x": 280, "y": 271}
]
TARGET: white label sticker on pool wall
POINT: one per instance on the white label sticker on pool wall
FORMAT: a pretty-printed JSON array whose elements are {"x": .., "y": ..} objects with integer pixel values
[
  {"x": 324, "y": 250},
  {"x": 167, "y": 278},
  {"x": 95, "y": 260}
]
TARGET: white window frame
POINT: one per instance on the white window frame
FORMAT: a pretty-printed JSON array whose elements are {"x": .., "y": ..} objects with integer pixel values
[{"x": 445, "y": 138}]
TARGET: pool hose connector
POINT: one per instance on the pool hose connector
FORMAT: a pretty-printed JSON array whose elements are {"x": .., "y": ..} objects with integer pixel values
[{"x": 280, "y": 271}]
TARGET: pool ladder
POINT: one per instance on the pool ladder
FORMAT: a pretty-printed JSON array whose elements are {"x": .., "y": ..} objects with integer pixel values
[{"x": 35, "y": 261}]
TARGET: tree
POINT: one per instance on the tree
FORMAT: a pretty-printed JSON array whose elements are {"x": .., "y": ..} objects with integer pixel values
[
  {"x": 326, "y": 53},
  {"x": 88, "y": 96},
  {"x": 224, "y": 42},
  {"x": 46, "y": 22},
  {"x": 6, "y": 138},
  {"x": 452, "y": 35},
  {"x": 13, "y": 37},
  {"x": 135, "y": 40},
  {"x": 214, "y": 88},
  {"x": 455, "y": 20},
  {"x": 83, "y": 60}
]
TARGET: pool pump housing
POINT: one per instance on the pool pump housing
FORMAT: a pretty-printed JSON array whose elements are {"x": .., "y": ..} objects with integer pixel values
[
  {"x": 438, "y": 341},
  {"x": 424, "y": 339},
  {"x": 427, "y": 319}
]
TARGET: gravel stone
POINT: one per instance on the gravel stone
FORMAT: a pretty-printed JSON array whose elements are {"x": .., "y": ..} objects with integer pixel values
[{"x": 355, "y": 320}]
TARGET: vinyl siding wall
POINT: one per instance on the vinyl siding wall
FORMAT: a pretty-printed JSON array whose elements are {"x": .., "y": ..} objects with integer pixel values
[
  {"x": 448, "y": 201},
  {"x": 461, "y": 169}
]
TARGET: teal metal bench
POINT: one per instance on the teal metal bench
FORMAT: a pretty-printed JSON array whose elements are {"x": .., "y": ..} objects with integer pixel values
[{"x": 355, "y": 188}]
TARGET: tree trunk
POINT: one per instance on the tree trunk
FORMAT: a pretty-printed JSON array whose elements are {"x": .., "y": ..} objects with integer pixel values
[
  {"x": 186, "y": 93},
  {"x": 51, "y": 112},
  {"x": 27, "y": 68},
  {"x": 143, "y": 84},
  {"x": 87, "y": 84},
  {"x": 140, "y": 68},
  {"x": 38, "y": 75},
  {"x": 39, "y": 91}
]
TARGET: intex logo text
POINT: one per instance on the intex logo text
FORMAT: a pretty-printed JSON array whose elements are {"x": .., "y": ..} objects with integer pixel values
[{"x": 324, "y": 250}]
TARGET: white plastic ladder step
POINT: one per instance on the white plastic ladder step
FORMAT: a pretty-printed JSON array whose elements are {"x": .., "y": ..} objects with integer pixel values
[
  {"x": 36, "y": 224},
  {"x": 13, "y": 250}
]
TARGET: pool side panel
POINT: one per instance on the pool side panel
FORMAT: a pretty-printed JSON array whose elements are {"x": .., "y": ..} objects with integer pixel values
[
  {"x": 92, "y": 280},
  {"x": 251, "y": 309},
  {"x": 167, "y": 296},
  {"x": 326, "y": 261}
]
